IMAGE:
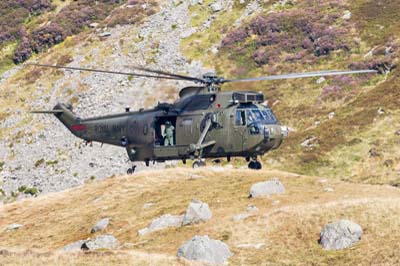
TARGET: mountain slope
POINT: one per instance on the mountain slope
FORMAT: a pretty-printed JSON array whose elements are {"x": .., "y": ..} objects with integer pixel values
[
  {"x": 288, "y": 225},
  {"x": 57, "y": 160},
  {"x": 342, "y": 115},
  {"x": 352, "y": 122}
]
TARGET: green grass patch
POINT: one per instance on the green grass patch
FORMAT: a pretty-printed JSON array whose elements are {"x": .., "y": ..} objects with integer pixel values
[
  {"x": 39, "y": 162},
  {"x": 54, "y": 162}
]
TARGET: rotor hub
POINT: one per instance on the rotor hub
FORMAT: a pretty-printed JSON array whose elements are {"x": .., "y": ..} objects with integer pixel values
[{"x": 212, "y": 79}]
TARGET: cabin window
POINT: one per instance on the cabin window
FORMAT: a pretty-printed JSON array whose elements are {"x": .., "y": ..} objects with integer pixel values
[{"x": 240, "y": 118}]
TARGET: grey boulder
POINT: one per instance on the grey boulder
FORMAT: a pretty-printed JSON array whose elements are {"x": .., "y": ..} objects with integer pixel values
[
  {"x": 101, "y": 242},
  {"x": 340, "y": 235},
  {"x": 204, "y": 249},
  {"x": 196, "y": 212},
  {"x": 100, "y": 225},
  {"x": 267, "y": 188},
  {"x": 162, "y": 222},
  {"x": 76, "y": 246}
]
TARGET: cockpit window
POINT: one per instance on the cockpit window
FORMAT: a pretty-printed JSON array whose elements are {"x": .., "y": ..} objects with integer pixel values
[
  {"x": 268, "y": 116},
  {"x": 256, "y": 114}
]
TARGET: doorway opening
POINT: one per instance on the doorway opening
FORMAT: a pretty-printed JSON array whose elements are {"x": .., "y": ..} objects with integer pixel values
[{"x": 164, "y": 126}]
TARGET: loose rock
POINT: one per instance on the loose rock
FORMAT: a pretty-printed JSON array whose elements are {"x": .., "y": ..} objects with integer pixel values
[
  {"x": 240, "y": 217},
  {"x": 252, "y": 208},
  {"x": 13, "y": 227},
  {"x": 321, "y": 80},
  {"x": 204, "y": 249},
  {"x": 267, "y": 188},
  {"x": 100, "y": 225},
  {"x": 104, "y": 34},
  {"x": 148, "y": 205},
  {"x": 347, "y": 15},
  {"x": 101, "y": 242},
  {"x": 340, "y": 235},
  {"x": 196, "y": 212},
  {"x": 216, "y": 7},
  {"x": 76, "y": 246},
  {"x": 310, "y": 142},
  {"x": 162, "y": 222},
  {"x": 275, "y": 202},
  {"x": 251, "y": 246}
]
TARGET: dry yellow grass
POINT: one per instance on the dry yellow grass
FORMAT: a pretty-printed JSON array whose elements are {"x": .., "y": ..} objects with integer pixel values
[{"x": 289, "y": 230}]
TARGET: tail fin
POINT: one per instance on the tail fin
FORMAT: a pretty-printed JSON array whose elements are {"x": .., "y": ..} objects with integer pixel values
[{"x": 64, "y": 113}]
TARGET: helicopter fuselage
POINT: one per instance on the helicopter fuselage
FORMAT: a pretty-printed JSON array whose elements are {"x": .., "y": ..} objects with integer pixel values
[{"x": 209, "y": 125}]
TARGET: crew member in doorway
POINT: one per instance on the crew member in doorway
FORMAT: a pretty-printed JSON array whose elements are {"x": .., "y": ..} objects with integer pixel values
[{"x": 169, "y": 134}]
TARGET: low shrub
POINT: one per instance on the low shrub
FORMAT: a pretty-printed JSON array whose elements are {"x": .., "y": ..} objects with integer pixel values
[
  {"x": 14, "y": 13},
  {"x": 301, "y": 32},
  {"x": 31, "y": 191}
]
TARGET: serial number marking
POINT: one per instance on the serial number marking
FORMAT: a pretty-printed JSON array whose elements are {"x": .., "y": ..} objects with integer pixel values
[{"x": 115, "y": 128}]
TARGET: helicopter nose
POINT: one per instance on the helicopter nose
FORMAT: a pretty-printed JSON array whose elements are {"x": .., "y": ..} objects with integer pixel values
[
  {"x": 272, "y": 132},
  {"x": 275, "y": 131},
  {"x": 274, "y": 135}
]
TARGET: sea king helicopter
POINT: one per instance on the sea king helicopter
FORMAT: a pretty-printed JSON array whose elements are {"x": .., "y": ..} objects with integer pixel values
[{"x": 204, "y": 122}]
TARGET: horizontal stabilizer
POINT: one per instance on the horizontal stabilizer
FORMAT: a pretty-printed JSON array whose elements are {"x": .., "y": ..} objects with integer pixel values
[{"x": 48, "y": 112}]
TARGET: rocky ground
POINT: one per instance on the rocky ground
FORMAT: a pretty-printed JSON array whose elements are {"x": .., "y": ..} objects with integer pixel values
[
  {"x": 45, "y": 155},
  {"x": 217, "y": 215}
]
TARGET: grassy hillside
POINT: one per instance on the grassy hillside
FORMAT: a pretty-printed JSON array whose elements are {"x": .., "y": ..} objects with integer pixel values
[
  {"x": 314, "y": 35},
  {"x": 288, "y": 228}
]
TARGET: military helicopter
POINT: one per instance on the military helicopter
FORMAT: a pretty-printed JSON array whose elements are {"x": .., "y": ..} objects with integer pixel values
[{"x": 204, "y": 122}]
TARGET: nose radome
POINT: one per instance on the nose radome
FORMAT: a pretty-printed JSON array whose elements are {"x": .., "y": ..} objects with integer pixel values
[
  {"x": 285, "y": 131},
  {"x": 273, "y": 131}
]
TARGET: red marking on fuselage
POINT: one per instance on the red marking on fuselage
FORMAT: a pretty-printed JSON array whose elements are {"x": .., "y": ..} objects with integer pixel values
[{"x": 78, "y": 127}]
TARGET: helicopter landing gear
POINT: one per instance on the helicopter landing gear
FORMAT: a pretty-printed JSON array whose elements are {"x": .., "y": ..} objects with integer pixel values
[
  {"x": 198, "y": 163},
  {"x": 254, "y": 164},
  {"x": 131, "y": 170}
]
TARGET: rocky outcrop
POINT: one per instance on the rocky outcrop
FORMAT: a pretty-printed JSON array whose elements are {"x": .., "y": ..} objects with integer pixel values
[
  {"x": 340, "y": 235},
  {"x": 162, "y": 222},
  {"x": 100, "y": 225},
  {"x": 57, "y": 159},
  {"x": 267, "y": 188},
  {"x": 196, "y": 212},
  {"x": 204, "y": 249},
  {"x": 101, "y": 242},
  {"x": 75, "y": 246}
]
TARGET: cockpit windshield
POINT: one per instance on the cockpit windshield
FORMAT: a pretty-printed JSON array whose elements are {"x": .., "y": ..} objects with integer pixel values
[
  {"x": 255, "y": 114},
  {"x": 269, "y": 117}
]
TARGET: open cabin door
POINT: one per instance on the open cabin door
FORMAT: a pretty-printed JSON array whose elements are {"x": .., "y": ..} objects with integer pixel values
[{"x": 165, "y": 147}]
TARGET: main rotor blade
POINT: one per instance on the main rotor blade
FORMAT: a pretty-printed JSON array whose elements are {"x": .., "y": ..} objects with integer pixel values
[
  {"x": 304, "y": 75},
  {"x": 105, "y": 71},
  {"x": 168, "y": 74}
]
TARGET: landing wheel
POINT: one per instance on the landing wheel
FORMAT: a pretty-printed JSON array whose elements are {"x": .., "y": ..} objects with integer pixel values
[
  {"x": 197, "y": 164},
  {"x": 131, "y": 170},
  {"x": 255, "y": 165}
]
